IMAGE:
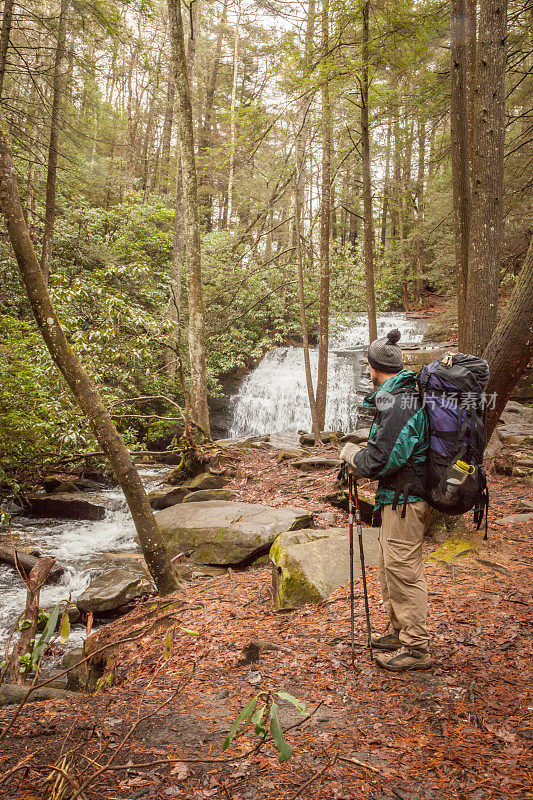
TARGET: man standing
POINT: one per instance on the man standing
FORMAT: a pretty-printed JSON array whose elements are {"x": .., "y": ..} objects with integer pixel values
[{"x": 396, "y": 455}]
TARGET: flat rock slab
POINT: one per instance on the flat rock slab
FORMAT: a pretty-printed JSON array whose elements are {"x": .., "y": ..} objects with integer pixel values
[
  {"x": 226, "y": 533},
  {"x": 512, "y": 519},
  {"x": 307, "y": 565},
  {"x": 114, "y": 589},
  {"x": 315, "y": 462},
  {"x": 285, "y": 440},
  {"x": 62, "y": 506}
]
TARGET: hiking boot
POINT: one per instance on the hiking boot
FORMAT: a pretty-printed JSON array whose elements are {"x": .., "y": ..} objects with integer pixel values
[
  {"x": 389, "y": 641},
  {"x": 406, "y": 658}
]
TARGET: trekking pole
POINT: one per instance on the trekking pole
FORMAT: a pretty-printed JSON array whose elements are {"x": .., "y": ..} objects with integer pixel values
[
  {"x": 350, "y": 529},
  {"x": 361, "y": 556}
]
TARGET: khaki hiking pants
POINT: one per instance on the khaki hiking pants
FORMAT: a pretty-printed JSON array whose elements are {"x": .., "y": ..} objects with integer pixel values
[{"x": 401, "y": 573}]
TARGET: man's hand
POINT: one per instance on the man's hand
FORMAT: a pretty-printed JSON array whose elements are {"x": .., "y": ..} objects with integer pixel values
[{"x": 348, "y": 452}]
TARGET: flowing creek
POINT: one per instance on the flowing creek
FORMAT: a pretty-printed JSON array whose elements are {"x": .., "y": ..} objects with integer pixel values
[{"x": 272, "y": 398}]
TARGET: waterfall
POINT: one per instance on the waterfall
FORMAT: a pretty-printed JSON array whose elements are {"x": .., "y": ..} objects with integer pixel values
[{"x": 274, "y": 396}]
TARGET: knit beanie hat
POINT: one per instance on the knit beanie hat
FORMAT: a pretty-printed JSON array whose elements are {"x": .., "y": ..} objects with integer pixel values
[{"x": 385, "y": 355}]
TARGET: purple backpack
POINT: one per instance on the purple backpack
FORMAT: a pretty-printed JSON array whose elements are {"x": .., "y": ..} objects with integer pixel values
[{"x": 453, "y": 394}]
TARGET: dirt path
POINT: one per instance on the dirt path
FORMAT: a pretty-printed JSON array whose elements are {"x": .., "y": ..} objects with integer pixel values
[{"x": 461, "y": 730}]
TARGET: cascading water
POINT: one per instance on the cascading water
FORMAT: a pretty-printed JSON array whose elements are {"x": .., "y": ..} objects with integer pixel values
[
  {"x": 79, "y": 546},
  {"x": 274, "y": 396}
]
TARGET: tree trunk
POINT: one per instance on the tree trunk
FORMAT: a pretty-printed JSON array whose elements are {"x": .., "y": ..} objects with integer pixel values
[
  {"x": 232, "y": 112},
  {"x": 386, "y": 189},
  {"x": 167, "y": 134},
  {"x": 471, "y": 45},
  {"x": 325, "y": 219},
  {"x": 486, "y": 227},
  {"x": 368, "y": 222},
  {"x": 420, "y": 210},
  {"x": 193, "y": 257},
  {"x": 511, "y": 347},
  {"x": 460, "y": 137},
  {"x": 26, "y": 640},
  {"x": 315, "y": 426},
  {"x": 4, "y": 41},
  {"x": 83, "y": 389},
  {"x": 51, "y": 175},
  {"x": 207, "y": 125}
]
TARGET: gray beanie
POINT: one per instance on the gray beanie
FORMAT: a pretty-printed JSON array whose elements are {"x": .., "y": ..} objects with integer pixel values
[{"x": 385, "y": 355}]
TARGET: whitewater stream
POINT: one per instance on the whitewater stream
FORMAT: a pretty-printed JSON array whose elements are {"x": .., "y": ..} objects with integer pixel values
[{"x": 272, "y": 398}]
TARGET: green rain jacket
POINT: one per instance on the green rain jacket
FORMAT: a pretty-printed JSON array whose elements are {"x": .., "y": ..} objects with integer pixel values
[{"x": 398, "y": 442}]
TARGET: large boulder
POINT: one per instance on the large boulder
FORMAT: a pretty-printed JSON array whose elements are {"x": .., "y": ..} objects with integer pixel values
[
  {"x": 167, "y": 496},
  {"x": 226, "y": 533},
  {"x": 307, "y": 565},
  {"x": 115, "y": 588},
  {"x": 205, "y": 481},
  {"x": 62, "y": 506},
  {"x": 54, "y": 484}
]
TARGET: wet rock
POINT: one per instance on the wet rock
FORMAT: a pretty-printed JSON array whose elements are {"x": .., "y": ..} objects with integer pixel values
[
  {"x": 307, "y": 565},
  {"x": 356, "y": 437},
  {"x": 226, "y": 533},
  {"x": 203, "y": 495},
  {"x": 58, "y": 484},
  {"x": 308, "y": 439},
  {"x": 62, "y": 506},
  {"x": 78, "y": 673},
  {"x": 27, "y": 561},
  {"x": 315, "y": 462},
  {"x": 114, "y": 589},
  {"x": 167, "y": 496}
]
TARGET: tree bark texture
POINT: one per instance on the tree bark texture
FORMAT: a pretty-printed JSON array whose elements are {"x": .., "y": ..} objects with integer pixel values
[
  {"x": 193, "y": 258},
  {"x": 386, "y": 189},
  {"x": 7, "y": 18},
  {"x": 511, "y": 347},
  {"x": 82, "y": 387},
  {"x": 486, "y": 225},
  {"x": 460, "y": 138},
  {"x": 325, "y": 220},
  {"x": 368, "y": 222},
  {"x": 420, "y": 210},
  {"x": 24, "y": 644},
  {"x": 51, "y": 174}
]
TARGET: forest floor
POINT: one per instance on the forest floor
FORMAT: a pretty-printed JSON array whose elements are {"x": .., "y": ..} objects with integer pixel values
[{"x": 460, "y": 730}]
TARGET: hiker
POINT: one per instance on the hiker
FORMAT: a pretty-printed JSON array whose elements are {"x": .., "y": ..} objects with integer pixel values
[{"x": 396, "y": 455}]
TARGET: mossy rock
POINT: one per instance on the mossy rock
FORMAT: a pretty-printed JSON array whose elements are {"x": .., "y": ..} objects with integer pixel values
[
  {"x": 307, "y": 565},
  {"x": 454, "y": 548}
]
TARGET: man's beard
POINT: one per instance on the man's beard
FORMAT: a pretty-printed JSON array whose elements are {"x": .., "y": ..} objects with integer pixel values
[{"x": 375, "y": 381}]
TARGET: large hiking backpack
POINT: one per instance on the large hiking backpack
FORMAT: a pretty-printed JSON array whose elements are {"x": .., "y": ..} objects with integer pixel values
[{"x": 452, "y": 392}]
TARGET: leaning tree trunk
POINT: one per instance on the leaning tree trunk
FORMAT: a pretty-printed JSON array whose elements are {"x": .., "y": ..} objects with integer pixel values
[
  {"x": 51, "y": 175},
  {"x": 368, "y": 222},
  {"x": 83, "y": 389},
  {"x": 193, "y": 257},
  {"x": 4, "y": 40},
  {"x": 511, "y": 347},
  {"x": 486, "y": 224},
  {"x": 460, "y": 143},
  {"x": 325, "y": 220}
]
